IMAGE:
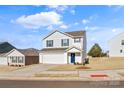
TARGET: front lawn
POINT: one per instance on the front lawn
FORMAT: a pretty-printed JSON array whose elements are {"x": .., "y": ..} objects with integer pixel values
[
  {"x": 95, "y": 64},
  {"x": 4, "y": 68},
  {"x": 56, "y": 75}
]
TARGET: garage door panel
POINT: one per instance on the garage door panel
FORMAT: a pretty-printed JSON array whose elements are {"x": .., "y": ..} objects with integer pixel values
[{"x": 53, "y": 58}]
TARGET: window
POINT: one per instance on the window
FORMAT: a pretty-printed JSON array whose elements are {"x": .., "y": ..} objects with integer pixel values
[
  {"x": 76, "y": 40},
  {"x": 49, "y": 43},
  {"x": 14, "y": 59},
  {"x": 20, "y": 59},
  {"x": 121, "y": 51},
  {"x": 65, "y": 42},
  {"x": 122, "y": 42}
]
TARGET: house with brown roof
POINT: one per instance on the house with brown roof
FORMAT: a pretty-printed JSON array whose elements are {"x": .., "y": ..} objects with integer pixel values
[
  {"x": 63, "y": 47},
  {"x": 22, "y": 57}
]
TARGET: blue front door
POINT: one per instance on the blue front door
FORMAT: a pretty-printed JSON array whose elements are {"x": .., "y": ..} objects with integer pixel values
[{"x": 72, "y": 57}]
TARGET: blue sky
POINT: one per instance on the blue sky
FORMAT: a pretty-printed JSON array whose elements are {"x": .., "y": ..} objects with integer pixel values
[{"x": 25, "y": 26}]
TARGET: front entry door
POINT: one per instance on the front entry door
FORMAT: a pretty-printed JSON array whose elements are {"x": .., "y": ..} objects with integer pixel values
[{"x": 72, "y": 57}]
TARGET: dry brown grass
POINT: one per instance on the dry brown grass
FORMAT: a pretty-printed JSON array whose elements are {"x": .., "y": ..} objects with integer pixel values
[
  {"x": 4, "y": 68},
  {"x": 56, "y": 75},
  {"x": 95, "y": 64}
]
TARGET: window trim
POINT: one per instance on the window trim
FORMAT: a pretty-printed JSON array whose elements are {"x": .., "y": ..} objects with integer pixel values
[
  {"x": 63, "y": 43},
  {"x": 78, "y": 40},
  {"x": 47, "y": 45},
  {"x": 122, "y": 42}
]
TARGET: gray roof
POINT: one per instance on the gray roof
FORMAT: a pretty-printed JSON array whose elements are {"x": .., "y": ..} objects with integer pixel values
[
  {"x": 29, "y": 52},
  {"x": 5, "y": 47},
  {"x": 76, "y": 33}
]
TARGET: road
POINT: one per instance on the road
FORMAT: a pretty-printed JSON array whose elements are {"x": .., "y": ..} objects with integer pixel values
[{"x": 59, "y": 84}]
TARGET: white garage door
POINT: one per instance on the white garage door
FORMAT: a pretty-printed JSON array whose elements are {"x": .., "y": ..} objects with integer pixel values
[
  {"x": 3, "y": 61},
  {"x": 53, "y": 58}
]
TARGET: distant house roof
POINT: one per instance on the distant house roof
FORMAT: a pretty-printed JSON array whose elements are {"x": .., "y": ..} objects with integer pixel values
[
  {"x": 29, "y": 52},
  {"x": 5, "y": 47},
  {"x": 47, "y": 49},
  {"x": 76, "y": 33}
]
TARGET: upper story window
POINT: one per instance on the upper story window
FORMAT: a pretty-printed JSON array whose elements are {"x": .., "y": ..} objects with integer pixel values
[
  {"x": 122, "y": 42},
  {"x": 76, "y": 40},
  {"x": 65, "y": 42},
  {"x": 49, "y": 43}
]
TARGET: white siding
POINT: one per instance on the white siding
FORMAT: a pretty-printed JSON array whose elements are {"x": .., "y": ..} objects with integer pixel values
[
  {"x": 17, "y": 54},
  {"x": 53, "y": 57},
  {"x": 3, "y": 60},
  {"x": 56, "y": 37},
  {"x": 115, "y": 46},
  {"x": 78, "y": 44}
]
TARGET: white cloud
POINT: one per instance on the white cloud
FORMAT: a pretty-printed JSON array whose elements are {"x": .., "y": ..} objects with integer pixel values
[
  {"x": 116, "y": 8},
  {"x": 85, "y": 21},
  {"x": 92, "y": 28},
  {"x": 72, "y": 12},
  {"x": 76, "y": 23},
  {"x": 38, "y": 20},
  {"x": 50, "y": 27},
  {"x": 64, "y": 26},
  {"x": 58, "y": 7},
  {"x": 89, "y": 19}
]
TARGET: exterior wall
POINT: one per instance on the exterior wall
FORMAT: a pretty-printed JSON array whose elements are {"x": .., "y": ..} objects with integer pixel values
[
  {"x": 115, "y": 46},
  {"x": 3, "y": 60},
  {"x": 31, "y": 60},
  {"x": 53, "y": 57},
  {"x": 56, "y": 37},
  {"x": 84, "y": 47},
  {"x": 77, "y": 44}
]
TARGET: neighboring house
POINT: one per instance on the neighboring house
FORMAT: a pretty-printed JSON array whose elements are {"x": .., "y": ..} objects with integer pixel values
[
  {"x": 64, "y": 47},
  {"x": 5, "y": 47},
  {"x": 116, "y": 46},
  {"x": 22, "y": 57}
]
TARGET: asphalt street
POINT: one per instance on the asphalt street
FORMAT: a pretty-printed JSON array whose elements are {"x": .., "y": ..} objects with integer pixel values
[{"x": 60, "y": 84}]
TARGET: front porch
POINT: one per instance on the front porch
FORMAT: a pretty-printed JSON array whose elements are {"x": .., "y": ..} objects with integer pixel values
[{"x": 74, "y": 55}]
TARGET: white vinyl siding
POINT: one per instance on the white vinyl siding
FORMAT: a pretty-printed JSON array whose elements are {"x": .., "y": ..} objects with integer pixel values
[
  {"x": 57, "y": 37},
  {"x": 116, "y": 46},
  {"x": 3, "y": 60}
]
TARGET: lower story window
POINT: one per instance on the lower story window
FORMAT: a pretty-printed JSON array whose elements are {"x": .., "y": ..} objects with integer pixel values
[
  {"x": 121, "y": 51},
  {"x": 20, "y": 59}
]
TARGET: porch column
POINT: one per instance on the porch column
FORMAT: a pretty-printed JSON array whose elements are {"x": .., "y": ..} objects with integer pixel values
[{"x": 67, "y": 58}]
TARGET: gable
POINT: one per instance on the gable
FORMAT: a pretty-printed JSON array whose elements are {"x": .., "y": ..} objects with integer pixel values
[
  {"x": 73, "y": 49},
  {"x": 57, "y": 35},
  {"x": 117, "y": 38},
  {"x": 15, "y": 52}
]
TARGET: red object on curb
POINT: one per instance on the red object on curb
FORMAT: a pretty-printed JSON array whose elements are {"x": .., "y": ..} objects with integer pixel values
[{"x": 99, "y": 75}]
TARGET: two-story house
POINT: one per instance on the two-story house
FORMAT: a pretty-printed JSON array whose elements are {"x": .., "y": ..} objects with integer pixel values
[{"x": 63, "y": 47}]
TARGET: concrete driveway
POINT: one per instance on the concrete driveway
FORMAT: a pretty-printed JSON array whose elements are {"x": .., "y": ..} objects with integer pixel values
[{"x": 28, "y": 71}]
